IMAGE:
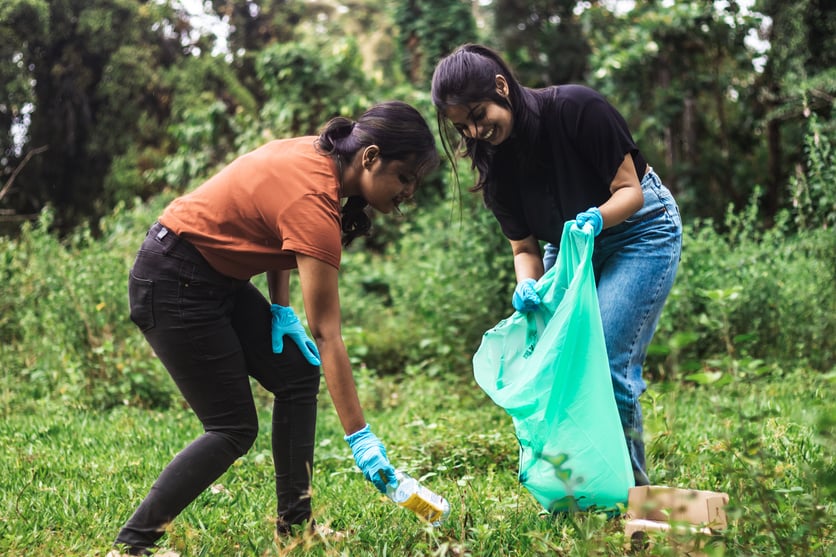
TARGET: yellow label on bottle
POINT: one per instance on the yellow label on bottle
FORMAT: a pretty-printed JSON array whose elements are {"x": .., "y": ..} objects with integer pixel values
[{"x": 424, "y": 508}]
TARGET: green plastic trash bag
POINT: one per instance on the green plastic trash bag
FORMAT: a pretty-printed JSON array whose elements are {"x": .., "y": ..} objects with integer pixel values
[{"x": 549, "y": 370}]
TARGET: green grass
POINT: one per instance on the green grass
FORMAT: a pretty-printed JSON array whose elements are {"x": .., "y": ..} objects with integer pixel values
[{"x": 70, "y": 477}]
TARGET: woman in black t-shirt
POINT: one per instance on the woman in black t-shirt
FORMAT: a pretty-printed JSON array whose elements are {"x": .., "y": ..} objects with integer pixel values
[{"x": 546, "y": 156}]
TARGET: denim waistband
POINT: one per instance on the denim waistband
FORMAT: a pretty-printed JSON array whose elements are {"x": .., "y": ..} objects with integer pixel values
[
  {"x": 658, "y": 200},
  {"x": 650, "y": 177},
  {"x": 171, "y": 244},
  {"x": 167, "y": 242}
]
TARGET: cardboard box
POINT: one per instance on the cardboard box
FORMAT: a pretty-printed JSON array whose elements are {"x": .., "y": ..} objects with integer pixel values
[{"x": 688, "y": 519}]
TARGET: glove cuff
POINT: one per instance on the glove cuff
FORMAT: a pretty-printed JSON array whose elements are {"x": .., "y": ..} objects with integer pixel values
[
  {"x": 284, "y": 314},
  {"x": 353, "y": 437}
]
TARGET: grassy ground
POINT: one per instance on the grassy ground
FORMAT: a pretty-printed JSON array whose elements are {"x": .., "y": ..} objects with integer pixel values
[{"x": 70, "y": 477}]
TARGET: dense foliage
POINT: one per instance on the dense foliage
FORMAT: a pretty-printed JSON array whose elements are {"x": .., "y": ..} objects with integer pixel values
[
  {"x": 159, "y": 111},
  {"x": 87, "y": 86},
  {"x": 420, "y": 292},
  {"x": 745, "y": 302},
  {"x": 95, "y": 98}
]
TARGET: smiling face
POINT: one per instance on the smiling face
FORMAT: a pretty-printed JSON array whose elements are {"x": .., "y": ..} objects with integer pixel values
[
  {"x": 485, "y": 119},
  {"x": 482, "y": 121}
]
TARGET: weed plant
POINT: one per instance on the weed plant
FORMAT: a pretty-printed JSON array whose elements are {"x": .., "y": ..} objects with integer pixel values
[{"x": 760, "y": 297}]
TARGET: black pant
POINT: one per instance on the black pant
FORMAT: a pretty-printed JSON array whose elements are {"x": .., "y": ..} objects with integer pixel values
[{"x": 212, "y": 332}]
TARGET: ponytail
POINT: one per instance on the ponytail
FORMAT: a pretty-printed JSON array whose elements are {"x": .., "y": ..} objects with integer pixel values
[
  {"x": 333, "y": 133},
  {"x": 355, "y": 219}
]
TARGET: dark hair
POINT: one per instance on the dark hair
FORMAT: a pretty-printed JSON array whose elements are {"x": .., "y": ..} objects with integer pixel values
[
  {"x": 468, "y": 75},
  {"x": 398, "y": 130}
]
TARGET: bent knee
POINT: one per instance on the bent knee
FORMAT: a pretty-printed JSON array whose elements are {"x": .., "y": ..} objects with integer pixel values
[{"x": 241, "y": 436}]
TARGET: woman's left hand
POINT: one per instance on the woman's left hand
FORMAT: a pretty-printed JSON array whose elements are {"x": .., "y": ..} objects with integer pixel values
[
  {"x": 285, "y": 323},
  {"x": 593, "y": 217}
]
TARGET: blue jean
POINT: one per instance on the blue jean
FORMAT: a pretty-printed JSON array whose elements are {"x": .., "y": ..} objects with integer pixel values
[
  {"x": 213, "y": 333},
  {"x": 635, "y": 264}
]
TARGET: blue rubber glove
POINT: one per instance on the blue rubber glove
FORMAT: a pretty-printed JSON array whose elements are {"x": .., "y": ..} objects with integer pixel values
[
  {"x": 525, "y": 297},
  {"x": 285, "y": 323},
  {"x": 370, "y": 456},
  {"x": 593, "y": 217}
]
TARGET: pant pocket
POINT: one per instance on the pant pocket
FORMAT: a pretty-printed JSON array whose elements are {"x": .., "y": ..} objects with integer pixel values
[{"x": 141, "y": 296}]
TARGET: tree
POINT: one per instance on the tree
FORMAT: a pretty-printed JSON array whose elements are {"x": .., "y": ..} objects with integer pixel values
[
  {"x": 799, "y": 75},
  {"x": 20, "y": 21},
  {"x": 679, "y": 74},
  {"x": 254, "y": 25},
  {"x": 544, "y": 40},
  {"x": 91, "y": 72},
  {"x": 718, "y": 116},
  {"x": 429, "y": 30},
  {"x": 211, "y": 114}
]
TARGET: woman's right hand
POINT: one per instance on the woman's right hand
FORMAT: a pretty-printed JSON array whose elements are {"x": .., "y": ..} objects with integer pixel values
[
  {"x": 285, "y": 323},
  {"x": 370, "y": 456},
  {"x": 320, "y": 291}
]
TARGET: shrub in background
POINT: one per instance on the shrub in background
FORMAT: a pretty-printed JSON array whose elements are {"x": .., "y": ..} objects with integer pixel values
[
  {"x": 749, "y": 301},
  {"x": 748, "y": 297},
  {"x": 813, "y": 194},
  {"x": 64, "y": 327},
  {"x": 423, "y": 305}
]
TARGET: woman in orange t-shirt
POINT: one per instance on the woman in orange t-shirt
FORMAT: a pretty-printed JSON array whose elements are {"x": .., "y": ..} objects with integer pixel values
[{"x": 277, "y": 208}]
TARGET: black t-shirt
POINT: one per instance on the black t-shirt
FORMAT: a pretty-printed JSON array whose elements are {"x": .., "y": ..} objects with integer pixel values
[{"x": 580, "y": 142}]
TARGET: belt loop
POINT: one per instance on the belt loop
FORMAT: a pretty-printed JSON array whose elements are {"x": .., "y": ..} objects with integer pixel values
[{"x": 651, "y": 178}]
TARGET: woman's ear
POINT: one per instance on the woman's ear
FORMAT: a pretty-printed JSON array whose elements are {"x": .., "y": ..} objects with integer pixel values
[
  {"x": 502, "y": 85},
  {"x": 370, "y": 153}
]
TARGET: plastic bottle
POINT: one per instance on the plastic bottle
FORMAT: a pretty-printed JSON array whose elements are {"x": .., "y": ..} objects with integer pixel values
[{"x": 410, "y": 494}]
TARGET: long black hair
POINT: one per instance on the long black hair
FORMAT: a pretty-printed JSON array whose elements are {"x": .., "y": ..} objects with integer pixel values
[
  {"x": 466, "y": 76},
  {"x": 398, "y": 130}
]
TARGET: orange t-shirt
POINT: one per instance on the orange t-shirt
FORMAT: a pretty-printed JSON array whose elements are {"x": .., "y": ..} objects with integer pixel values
[{"x": 262, "y": 209}]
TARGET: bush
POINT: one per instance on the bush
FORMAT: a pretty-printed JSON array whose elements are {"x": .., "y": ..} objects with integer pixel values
[
  {"x": 423, "y": 305},
  {"x": 64, "y": 329},
  {"x": 749, "y": 301},
  {"x": 749, "y": 297},
  {"x": 813, "y": 194}
]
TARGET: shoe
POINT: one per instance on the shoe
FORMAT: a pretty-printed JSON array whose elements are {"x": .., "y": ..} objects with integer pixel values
[{"x": 327, "y": 533}]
